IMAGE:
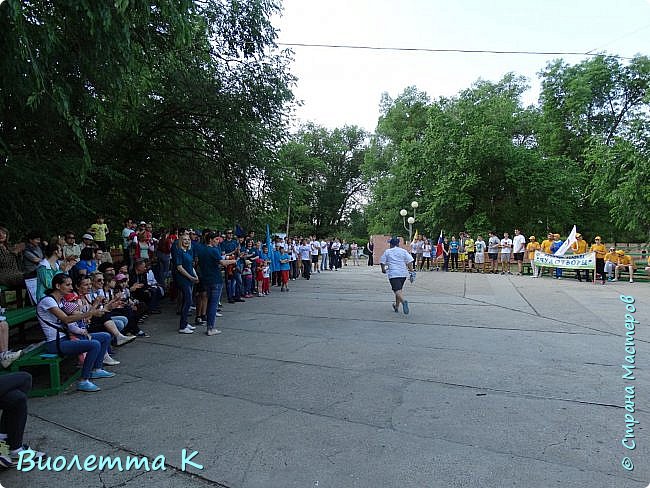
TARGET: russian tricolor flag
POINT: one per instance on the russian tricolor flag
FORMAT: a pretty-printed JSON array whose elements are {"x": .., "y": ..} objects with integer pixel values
[{"x": 439, "y": 245}]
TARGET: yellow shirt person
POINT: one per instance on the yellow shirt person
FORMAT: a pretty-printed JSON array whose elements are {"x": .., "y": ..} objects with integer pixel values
[
  {"x": 546, "y": 244},
  {"x": 531, "y": 247}
]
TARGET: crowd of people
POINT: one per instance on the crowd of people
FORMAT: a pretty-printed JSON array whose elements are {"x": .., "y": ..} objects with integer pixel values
[
  {"x": 499, "y": 254},
  {"x": 90, "y": 302}
]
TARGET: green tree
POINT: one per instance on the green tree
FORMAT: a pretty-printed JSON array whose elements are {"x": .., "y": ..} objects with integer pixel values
[
  {"x": 596, "y": 114},
  {"x": 169, "y": 110},
  {"x": 320, "y": 172}
]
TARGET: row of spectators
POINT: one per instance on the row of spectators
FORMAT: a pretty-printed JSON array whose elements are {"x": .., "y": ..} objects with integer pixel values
[{"x": 447, "y": 253}]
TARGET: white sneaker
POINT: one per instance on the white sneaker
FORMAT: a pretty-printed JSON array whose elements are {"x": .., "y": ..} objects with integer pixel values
[
  {"x": 212, "y": 332},
  {"x": 109, "y": 361},
  {"x": 124, "y": 340},
  {"x": 631, "y": 280},
  {"x": 8, "y": 357},
  {"x": 190, "y": 326},
  {"x": 218, "y": 314},
  {"x": 186, "y": 330}
]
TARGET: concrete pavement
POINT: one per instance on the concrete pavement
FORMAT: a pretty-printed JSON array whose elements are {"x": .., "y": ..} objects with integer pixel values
[{"x": 491, "y": 381}]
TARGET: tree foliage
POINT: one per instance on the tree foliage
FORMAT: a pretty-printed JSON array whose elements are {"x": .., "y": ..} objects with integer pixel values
[
  {"x": 168, "y": 110},
  {"x": 481, "y": 160},
  {"x": 319, "y": 177}
]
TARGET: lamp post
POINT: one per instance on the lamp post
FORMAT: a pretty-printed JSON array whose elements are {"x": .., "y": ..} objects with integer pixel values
[{"x": 410, "y": 220}]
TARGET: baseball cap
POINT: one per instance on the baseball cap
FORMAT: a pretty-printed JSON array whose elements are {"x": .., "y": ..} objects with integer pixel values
[
  {"x": 88, "y": 236},
  {"x": 121, "y": 277}
]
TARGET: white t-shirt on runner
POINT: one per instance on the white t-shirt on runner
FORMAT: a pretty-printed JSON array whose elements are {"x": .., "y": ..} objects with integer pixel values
[
  {"x": 519, "y": 244},
  {"x": 397, "y": 260}
]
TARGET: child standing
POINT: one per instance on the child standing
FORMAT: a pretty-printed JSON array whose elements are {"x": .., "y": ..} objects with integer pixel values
[
  {"x": 266, "y": 279},
  {"x": 285, "y": 266},
  {"x": 259, "y": 275},
  {"x": 247, "y": 277}
]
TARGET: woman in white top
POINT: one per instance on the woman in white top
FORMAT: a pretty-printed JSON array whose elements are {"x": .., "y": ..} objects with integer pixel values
[
  {"x": 54, "y": 321},
  {"x": 426, "y": 254}
]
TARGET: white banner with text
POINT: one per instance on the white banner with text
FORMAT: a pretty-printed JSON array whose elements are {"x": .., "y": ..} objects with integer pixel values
[{"x": 573, "y": 261}]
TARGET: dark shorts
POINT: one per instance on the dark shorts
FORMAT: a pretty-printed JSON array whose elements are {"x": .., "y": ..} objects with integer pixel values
[
  {"x": 314, "y": 258},
  {"x": 397, "y": 283},
  {"x": 470, "y": 256},
  {"x": 519, "y": 256},
  {"x": 493, "y": 255}
]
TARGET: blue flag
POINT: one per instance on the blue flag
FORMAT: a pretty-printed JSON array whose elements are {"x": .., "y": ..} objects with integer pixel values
[{"x": 269, "y": 248}]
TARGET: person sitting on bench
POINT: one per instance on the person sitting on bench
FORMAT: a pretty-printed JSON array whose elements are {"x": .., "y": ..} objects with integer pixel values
[
  {"x": 13, "y": 402},
  {"x": 56, "y": 323},
  {"x": 6, "y": 356}
]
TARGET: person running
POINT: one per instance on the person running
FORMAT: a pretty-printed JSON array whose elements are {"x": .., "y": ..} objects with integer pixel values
[{"x": 398, "y": 264}]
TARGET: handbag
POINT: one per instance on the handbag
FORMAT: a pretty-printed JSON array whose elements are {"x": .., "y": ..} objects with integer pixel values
[{"x": 63, "y": 329}]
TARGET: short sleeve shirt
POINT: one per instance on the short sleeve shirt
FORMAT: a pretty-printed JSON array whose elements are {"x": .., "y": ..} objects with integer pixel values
[
  {"x": 209, "y": 259},
  {"x": 397, "y": 260},
  {"x": 44, "y": 314},
  {"x": 185, "y": 259}
]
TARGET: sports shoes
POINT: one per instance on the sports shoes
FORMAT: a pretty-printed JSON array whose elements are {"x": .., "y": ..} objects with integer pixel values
[
  {"x": 87, "y": 385},
  {"x": 6, "y": 462},
  {"x": 614, "y": 279},
  {"x": 142, "y": 333},
  {"x": 109, "y": 361},
  {"x": 190, "y": 326},
  {"x": 101, "y": 373},
  {"x": 218, "y": 314},
  {"x": 192, "y": 308},
  {"x": 631, "y": 280},
  {"x": 120, "y": 341},
  {"x": 186, "y": 330},
  {"x": 395, "y": 308},
  {"x": 212, "y": 332},
  {"x": 8, "y": 357},
  {"x": 15, "y": 454},
  {"x": 260, "y": 295},
  {"x": 200, "y": 321},
  {"x": 405, "y": 307}
]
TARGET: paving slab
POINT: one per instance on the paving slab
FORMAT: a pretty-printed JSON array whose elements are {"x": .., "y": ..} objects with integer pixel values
[{"x": 491, "y": 381}]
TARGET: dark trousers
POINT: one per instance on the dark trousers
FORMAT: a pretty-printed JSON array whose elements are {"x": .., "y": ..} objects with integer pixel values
[
  {"x": 13, "y": 402},
  {"x": 600, "y": 269},
  {"x": 306, "y": 268},
  {"x": 454, "y": 260},
  {"x": 186, "y": 291},
  {"x": 295, "y": 272}
]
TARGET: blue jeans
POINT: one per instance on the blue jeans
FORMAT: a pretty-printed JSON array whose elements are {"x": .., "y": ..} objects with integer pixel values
[
  {"x": 323, "y": 261},
  {"x": 186, "y": 290},
  {"x": 95, "y": 350},
  {"x": 214, "y": 294},
  {"x": 234, "y": 286},
  {"x": 120, "y": 321}
]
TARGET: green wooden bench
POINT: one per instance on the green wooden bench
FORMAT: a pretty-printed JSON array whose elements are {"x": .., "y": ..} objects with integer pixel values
[
  {"x": 33, "y": 358},
  {"x": 18, "y": 316}
]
